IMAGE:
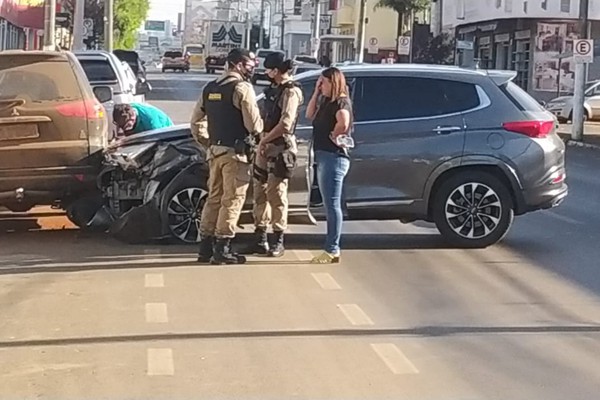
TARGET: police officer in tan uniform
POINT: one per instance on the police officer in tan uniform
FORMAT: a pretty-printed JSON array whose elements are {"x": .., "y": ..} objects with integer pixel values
[
  {"x": 225, "y": 120},
  {"x": 276, "y": 156}
]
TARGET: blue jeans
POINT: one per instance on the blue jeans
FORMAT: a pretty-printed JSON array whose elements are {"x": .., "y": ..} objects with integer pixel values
[{"x": 331, "y": 171}]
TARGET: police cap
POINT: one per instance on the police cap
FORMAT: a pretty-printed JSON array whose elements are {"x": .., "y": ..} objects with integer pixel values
[
  {"x": 239, "y": 56},
  {"x": 275, "y": 60}
]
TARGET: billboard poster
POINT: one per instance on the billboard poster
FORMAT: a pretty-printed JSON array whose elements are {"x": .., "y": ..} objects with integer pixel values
[{"x": 553, "y": 62}]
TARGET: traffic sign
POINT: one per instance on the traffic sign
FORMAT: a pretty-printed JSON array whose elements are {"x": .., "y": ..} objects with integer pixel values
[
  {"x": 583, "y": 51},
  {"x": 88, "y": 28},
  {"x": 404, "y": 45},
  {"x": 373, "y": 48}
]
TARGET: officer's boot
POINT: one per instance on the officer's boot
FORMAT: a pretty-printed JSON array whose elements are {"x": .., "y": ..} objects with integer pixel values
[
  {"x": 222, "y": 254},
  {"x": 277, "y": 250},
  {"x": 205, "y": 252}
]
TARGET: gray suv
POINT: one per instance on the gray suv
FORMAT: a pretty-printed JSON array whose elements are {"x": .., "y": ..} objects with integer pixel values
[{"x": 465, "y": 149}]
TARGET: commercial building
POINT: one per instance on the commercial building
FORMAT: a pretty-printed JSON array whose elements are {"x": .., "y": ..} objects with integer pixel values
[
  {"x": 533, "y": 37},
  {"x": 21, "y": 24}
]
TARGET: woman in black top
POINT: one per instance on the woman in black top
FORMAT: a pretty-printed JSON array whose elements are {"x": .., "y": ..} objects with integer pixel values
[{"x": 330, "y": 109}]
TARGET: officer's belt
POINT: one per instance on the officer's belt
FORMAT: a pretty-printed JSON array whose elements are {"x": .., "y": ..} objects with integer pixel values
[{"x": 225, "y": 143}]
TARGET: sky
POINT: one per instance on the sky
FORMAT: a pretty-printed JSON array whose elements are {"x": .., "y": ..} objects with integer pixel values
[{"x": 166, "y": 9}]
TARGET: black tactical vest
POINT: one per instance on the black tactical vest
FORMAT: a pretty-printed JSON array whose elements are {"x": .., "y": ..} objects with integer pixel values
[
  {"x": 225, "y": 121},
  {"x": 272, "y": 107}
]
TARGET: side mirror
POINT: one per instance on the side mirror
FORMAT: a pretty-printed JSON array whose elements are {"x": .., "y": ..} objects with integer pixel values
[
  {"x": 103, "y": 93},
  {"x": 542, "y": 103},
  {"x": 142, "y": 87}
]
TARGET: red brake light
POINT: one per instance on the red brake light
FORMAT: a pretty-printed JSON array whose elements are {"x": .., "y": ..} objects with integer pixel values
[
  {"x": 534, "y": 129},
  {"x": 82, "y": 109}
]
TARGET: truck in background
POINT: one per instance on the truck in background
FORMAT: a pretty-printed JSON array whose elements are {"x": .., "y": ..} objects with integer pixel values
[{"x": 221, "y": 38}]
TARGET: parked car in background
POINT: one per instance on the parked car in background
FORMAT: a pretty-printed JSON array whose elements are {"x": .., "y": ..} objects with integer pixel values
[
  {"x": 465, "y": 149},
  {"x": 302, "y": 58},
  {"x": 562, "y": 107},
  {"x": 53, "y": 131},
  {"x": 215, "y": 63},
  {"x": 302, "y": 67},
  {"x": 260, "y": 71},
  {"x": 138, "y": 66},
  {"x": 175, "y": 61}
]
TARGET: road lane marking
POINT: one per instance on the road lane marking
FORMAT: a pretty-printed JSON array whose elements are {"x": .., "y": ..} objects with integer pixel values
[
  {"x": 395, "y": 359},
  {"x": 154, "y": 281},
  {"x": 355, "y": 314},
  {"x": 160, "y": 362},
  {"x": 326, "y": 281},
  {"x": 303, "y": 255},
  {"x": 564, "y": 218},
  {"x": 156, "y": 313}
]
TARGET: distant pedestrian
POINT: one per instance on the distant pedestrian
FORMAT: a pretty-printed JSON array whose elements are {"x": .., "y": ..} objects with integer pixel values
[
  {"x": 225, "y": 120},
  {"x": 330, "y": 109},
  {"x": 136, "y": 118}
]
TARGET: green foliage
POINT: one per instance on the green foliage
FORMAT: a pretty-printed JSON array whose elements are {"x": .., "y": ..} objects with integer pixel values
[
  {"x": 438, "y": 50},
  {"x": 129, "y": 16},
  {"x": 404, "y": 6}
]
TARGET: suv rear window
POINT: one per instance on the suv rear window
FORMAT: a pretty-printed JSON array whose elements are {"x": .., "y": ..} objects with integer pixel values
[
  {"x": 98, "y": 70},
  {"x": 38, "y": 81},
  {"x": 173, "y": 54},
  {"x": 520, "y": 97},
  {"x": 413, "y": 98}
]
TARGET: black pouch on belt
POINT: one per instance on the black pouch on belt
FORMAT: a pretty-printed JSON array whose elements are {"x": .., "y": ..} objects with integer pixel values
[
  {"x": 240, "y": 147},
  {"x": 285, "y": 163}
]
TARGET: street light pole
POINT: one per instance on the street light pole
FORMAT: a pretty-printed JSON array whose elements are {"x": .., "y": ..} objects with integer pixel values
[
  {"x": 109, "y": 25},
  {"x": 78, "y": 25},
  {"x": 360, "y": 38},
  {"x": 49, "y": 24},
  {"x": 261, "y": 31},
  {"x": 579, "y": 92},
  {"x": 314, "y": 43}
]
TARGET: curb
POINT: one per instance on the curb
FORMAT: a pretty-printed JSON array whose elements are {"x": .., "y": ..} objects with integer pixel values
[{"x": 566, "y": 137}]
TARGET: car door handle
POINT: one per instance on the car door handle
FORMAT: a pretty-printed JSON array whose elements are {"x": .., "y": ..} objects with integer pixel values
[{"x": 444, "y": 130}]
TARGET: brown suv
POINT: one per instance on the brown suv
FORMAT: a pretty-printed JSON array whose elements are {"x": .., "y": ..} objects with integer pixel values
[{"x": 52, "y": 131}]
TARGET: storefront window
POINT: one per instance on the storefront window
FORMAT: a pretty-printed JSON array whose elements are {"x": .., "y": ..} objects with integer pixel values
[{"x": 521, "y": 58}]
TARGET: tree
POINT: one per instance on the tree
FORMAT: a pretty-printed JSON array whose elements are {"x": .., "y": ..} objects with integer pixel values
[
  {"x": 129, "y": 16},
  {"x": 403, "y": 7},
  {"x": 438, "y": 50}
]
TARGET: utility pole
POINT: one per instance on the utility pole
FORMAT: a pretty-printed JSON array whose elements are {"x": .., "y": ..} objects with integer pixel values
[
  {"x": 108, "y": 25},
  {"x": 579, "y": 92},
  {"x": 49, "y": 24},
  {"x": 315, "y": 41},
  {"x": 360, "y": 37},
  {"x": 412, "y": 36},
  {"x": 248, "y": 25},
  {"x": 261, "y": 31},
  {"x": 282, "y": 24},
  {"x": 78, "y": 25}
]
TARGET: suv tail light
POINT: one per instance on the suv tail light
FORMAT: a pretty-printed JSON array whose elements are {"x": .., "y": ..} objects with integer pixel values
[
  {"x": 90, "y": 109},
  {"x": 534, "y": 129}
]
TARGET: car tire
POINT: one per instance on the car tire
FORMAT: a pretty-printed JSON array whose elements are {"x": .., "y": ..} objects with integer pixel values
[
  {"x": 586, "y": 116},
  {"x": 181, "y": 208},
  {"x": 473, "y": 209},
  {"x": 82, "y": 210},
  {"x": 163, "y": 70}
]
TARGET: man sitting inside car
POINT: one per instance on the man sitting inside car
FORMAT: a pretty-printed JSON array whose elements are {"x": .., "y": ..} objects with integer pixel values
[{"x": 135, "y": 118}]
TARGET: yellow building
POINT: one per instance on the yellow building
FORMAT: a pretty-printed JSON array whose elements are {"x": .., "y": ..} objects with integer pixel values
[{"x": 381, "y": 28}]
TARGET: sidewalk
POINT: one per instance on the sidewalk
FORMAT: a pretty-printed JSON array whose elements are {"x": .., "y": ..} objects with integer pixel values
[{"x": 591, "y": 135}]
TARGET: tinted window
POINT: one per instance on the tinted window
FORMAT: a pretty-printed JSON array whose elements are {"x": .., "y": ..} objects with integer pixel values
[
  {"x": 98, "y": 70},
  {"x": 38, "y": 81},
  {"x": 173, "y": 54},
  {"x": 521, "y": 99},
  {"x": 413, "y": 98},
  {"x": 264, "y": 53}
]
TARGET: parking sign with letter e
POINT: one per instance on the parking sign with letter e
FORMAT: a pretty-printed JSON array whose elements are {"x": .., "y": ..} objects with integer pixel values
[{"x": 583, "y": 51}]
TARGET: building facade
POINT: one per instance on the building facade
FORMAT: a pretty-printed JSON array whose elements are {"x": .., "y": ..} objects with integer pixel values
[
  {"x": 21, "y": 24},
  {"x": 533, "y": 38}
]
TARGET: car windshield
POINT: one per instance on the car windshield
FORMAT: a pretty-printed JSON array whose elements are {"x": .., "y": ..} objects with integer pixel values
[
  {"x": 173, "y": 54},
  {"x": 98, "y": 70}
]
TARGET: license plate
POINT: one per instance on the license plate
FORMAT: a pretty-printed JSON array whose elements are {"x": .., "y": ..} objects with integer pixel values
[{"x": 19, "y": 132}]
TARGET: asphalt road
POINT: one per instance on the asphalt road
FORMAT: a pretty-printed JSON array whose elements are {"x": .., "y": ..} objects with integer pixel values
[{"x": 402, "y": 317}]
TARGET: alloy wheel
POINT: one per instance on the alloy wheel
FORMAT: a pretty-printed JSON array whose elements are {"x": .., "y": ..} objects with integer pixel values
[
  {"x": 473, "y": 210},
  {"x": 184, "y": 212}
]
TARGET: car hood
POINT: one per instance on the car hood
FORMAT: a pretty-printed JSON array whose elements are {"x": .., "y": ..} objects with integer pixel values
[
  {"x": 169, "y": 134},
  {"x": 561, "y": 99}
]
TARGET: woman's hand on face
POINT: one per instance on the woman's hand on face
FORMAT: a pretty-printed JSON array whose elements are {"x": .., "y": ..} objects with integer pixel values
[{"x": 318, "y": 86}]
